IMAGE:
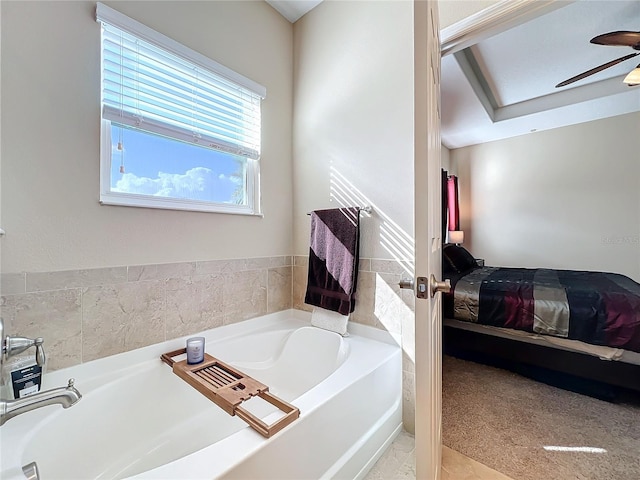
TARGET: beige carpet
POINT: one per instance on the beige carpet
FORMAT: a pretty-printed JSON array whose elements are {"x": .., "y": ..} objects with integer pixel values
[{"x": 505, "y": 420}]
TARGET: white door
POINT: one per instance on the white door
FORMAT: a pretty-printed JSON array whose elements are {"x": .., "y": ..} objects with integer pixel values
[{"x": 428, "y": 250}]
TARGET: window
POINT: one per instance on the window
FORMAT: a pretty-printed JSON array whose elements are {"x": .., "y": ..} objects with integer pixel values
[{"x": 179, "y": 130}]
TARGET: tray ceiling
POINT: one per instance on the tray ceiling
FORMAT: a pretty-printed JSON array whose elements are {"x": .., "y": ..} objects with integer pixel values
[{"x": 504, "y": 85}]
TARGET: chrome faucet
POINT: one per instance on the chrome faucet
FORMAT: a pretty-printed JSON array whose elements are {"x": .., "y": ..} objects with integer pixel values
[
  {"x": 14, "y": 345},
  {"x": 65, "y": 396}
]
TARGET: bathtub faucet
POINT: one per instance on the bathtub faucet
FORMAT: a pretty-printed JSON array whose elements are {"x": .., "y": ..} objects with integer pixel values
[
  {"x": 65, "y": 396},
  {"x": 14, "y": 345}
]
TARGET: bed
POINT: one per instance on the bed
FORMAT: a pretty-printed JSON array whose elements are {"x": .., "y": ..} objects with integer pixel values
[{"x": 562, "y": 322}]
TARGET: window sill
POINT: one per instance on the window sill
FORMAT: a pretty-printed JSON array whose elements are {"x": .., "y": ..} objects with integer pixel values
[{"x": 125, "y": 200}]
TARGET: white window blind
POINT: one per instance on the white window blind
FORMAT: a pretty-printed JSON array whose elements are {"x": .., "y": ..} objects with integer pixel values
[{"x": 155, "y": 84}]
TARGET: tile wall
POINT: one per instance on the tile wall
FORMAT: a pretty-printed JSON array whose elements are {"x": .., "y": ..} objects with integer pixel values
[{"x": 88, "y": 314}]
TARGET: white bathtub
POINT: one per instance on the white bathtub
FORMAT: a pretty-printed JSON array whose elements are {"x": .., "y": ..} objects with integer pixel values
[{"x": 139, "y": 420}]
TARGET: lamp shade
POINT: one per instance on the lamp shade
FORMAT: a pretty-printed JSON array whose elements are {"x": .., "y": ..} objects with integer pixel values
[
  {"x": 634, "y": 77},
  {"x": 456, "y": 236}
]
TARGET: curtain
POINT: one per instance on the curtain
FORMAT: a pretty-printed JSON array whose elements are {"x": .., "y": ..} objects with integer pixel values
[
  {"x": 452, "y": 203},
  {"x": 445, "y": 210}
]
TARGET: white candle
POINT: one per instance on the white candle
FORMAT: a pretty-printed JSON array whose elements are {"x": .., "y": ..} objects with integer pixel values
[{"x": 195, "y": 350}]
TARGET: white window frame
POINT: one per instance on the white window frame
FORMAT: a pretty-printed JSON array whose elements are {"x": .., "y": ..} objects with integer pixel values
[{"x": 252, "y": 172}]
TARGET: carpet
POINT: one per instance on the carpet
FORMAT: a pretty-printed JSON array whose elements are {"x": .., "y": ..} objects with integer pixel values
[{"x": 505, "y": 421}]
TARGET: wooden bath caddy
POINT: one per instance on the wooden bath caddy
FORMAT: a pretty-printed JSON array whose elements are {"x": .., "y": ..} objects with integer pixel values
[{"x": 229, "y": 388}]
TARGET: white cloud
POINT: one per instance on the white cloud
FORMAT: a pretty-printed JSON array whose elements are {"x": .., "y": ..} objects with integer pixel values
[{"x": 199, "y": 183}]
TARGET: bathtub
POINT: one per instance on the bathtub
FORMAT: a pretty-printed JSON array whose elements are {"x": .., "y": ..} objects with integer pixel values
[{"x": 139, "y": 420}]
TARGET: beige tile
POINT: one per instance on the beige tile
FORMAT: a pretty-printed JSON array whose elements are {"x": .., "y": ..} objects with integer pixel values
[
  {"x": 53, "y": 315},
  {"x": 409, "y": 339},
  {"x": 283, "y": 261},
  {"x": 399, "y": 463},
  {"x": 364, "y": 265},
  {"x": 138, "y": 273},
  {"x": 408, "y": 363},
  {"x": 300, "y": 288},
  {"x": 267, "y": 262},
  {"x": 122, "y": 317},
  {"x": 42, "y": 281},
  {"x": 12, "y": 283},
  {"x": 409, "y": 299},
  {"x": 7, "y": 312},
  {"x": 408, "y": 402},
  {"x": 221, "y": 266},
  {"x": 375, "y": 474},
  {"x": 389, "y": 464},
  {"x": 405, "y": 441},
  {"x": 398, "y": 267},
  {"x": 365, "y": 296},
  {"x": 408, "y": 375},
  {"x": 301, "y": 261},
  {"x": 244, "y": 295},
  {"x": 123, "y": 308},
  {"x": 193, "y": 304},
  {"x": 389, "y": 307},
  {"x": 279, "y": 289},
  {"x": 408, "y": 469}
]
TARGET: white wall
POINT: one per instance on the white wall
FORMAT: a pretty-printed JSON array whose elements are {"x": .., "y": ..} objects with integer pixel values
[
  {"x": 564, "y": 198},
  {"x": 353, "y": 145},
  {"x": 353, "y": 120},
  {"x": 50, "y": 137},
  {"x": 445, "y": 155}
]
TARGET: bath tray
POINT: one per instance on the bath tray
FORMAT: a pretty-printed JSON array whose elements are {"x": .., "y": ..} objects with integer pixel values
[{"x": 229, "y": 388}]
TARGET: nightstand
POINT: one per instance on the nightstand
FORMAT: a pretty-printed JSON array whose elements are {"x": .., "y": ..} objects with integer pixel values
[{"x": 480, "y": 262}]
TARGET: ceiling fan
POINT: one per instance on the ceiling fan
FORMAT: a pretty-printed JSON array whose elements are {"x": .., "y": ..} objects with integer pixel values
[{"x": 616, "y": 39}]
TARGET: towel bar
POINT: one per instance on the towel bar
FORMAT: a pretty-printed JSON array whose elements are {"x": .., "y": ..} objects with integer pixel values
[{"x": 367, "y": 209}]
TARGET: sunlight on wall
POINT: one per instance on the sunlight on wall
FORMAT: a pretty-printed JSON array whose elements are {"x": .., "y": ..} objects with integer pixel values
[
  {"x": 381, "y": 301},
  {"x": 391, "y": 312},
  {"x": 398, "y": 243}
]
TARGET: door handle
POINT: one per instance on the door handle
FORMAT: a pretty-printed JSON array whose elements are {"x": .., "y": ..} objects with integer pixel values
[{"x": 436, "y": 286}]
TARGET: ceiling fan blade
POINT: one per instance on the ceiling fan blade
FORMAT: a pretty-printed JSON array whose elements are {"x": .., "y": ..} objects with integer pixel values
[
  {"x": 596, "y": 69},
  {"x": 619, "y": 39}
]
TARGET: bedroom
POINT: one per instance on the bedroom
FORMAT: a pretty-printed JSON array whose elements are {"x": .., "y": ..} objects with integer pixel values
[{"x": 562, "y": 198}]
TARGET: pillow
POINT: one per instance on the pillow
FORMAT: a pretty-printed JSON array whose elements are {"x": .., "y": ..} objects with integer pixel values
[
  {"x": 455, "y": 257},
  {"x": 447, "y": 267}
]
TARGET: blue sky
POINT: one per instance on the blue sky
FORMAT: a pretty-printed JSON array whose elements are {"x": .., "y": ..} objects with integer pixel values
[{"x": 155, "y": 165}]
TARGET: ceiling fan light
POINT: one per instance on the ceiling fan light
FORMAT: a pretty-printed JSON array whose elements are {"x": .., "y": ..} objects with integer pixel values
[{"x": 634, "y": 77}]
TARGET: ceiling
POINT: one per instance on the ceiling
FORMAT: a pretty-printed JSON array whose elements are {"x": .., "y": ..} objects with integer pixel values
[
  {"x": 504, "y": 84},
  {"x": 292, "y": 10}
]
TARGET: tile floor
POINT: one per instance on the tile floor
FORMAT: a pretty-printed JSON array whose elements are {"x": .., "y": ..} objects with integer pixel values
[{"x": 398, "y": 463}]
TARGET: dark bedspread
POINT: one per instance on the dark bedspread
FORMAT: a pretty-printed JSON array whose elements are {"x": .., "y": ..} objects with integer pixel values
[{"x": 593, "y": 307}]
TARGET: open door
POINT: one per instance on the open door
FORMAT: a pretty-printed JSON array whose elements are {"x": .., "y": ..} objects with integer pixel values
[{"x": 428, "y": 249}]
